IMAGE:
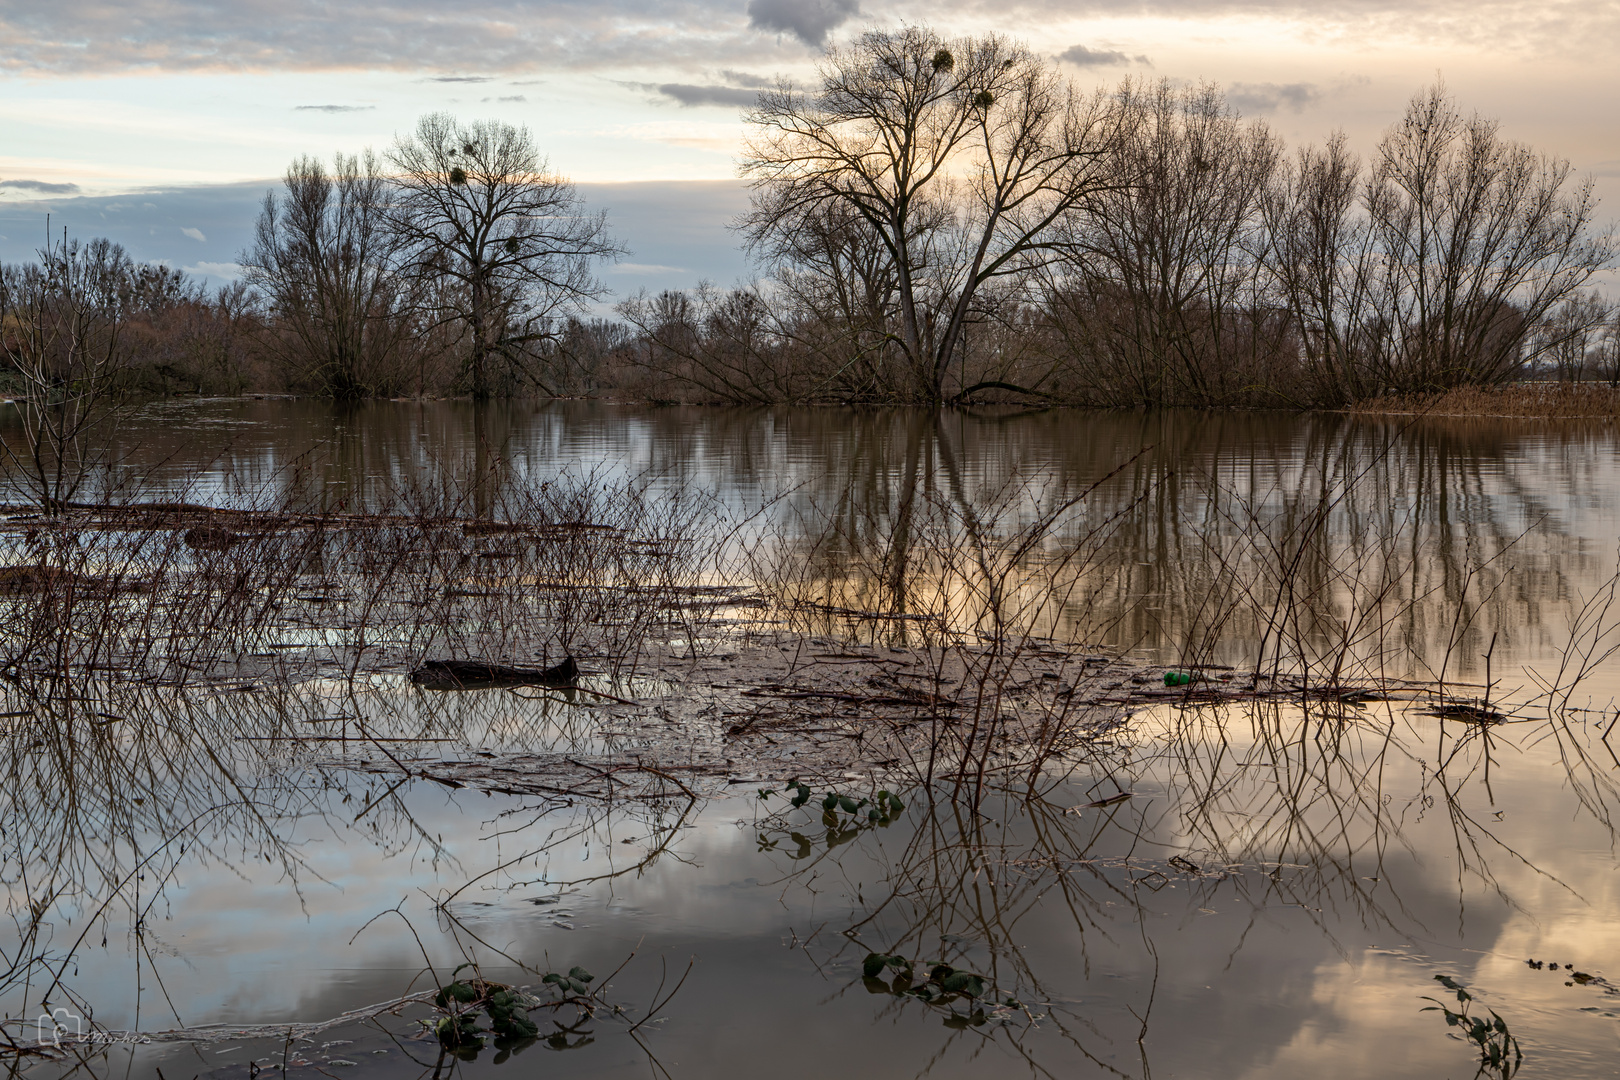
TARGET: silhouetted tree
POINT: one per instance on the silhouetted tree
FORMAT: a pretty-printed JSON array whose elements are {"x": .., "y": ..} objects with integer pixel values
[
  {"x": 957, "y": 156},
  {"x": 323, "y": 258},
  {"x": 61, "y": 325},
  {"x": 475, "y": 206}
]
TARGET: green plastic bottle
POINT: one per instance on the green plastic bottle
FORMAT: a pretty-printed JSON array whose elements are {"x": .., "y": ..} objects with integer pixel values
[{"x": 1177, "y": 678}]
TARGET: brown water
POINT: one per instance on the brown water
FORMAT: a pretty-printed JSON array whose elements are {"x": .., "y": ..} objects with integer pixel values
[{"x": 1321, "y": 878}]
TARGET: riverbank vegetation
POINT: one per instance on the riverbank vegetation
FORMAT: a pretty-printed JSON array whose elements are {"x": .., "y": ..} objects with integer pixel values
[{"x": 933, "y": 221}]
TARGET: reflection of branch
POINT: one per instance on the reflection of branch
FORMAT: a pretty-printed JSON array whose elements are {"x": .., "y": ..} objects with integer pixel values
[
  {"x": 652, "y": 856},
  {"x": 657, "y": 1005}
]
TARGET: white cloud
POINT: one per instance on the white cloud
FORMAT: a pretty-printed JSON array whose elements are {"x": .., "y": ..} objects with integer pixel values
[
  {"x": 697, "y": 134},
  {"x": 228, "y": 270},
  {"x": 195, "y": 234},
  {"x": 646, "y": 268}
]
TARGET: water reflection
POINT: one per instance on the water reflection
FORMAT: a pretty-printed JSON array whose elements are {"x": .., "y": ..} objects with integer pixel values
[
  {"x": 1500, "y": 522},
  {"x": 1274, "y": 897},
  {"x": 1211, "y": 916},
  {"x": 1253, "y": 849}
]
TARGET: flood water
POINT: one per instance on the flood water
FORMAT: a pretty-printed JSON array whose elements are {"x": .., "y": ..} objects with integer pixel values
[{"x": 1276, "y": 898}]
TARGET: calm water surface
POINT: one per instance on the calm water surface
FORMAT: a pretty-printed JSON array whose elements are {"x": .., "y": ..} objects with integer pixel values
[{"x": 1271, "y": 902}]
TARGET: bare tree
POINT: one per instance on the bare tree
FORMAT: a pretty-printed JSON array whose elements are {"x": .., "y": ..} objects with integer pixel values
[
  {"x": 1163, "y": 287},
  {"x": 1570, "y": 338},
  {"x": 477, "y": 205},
  {"x": 715, "y": 345},
  {"x": 837, "y": 289},
  {"x": 905, "y": 126},
  {"x": 1608, "y": 349},
  {"x": 1324, "y": 265},
  {"x": 61, "y": 323},
  {"x": 1480, "y": 239},
  {"x": 323, "y": 258}
]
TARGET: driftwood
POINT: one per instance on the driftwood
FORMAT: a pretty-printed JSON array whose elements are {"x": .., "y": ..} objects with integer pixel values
[{"x": 479, "y": 675}]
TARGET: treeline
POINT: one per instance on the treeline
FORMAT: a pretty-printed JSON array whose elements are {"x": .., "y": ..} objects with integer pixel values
[
  {"x": 88, "y": 312},
  {"x": 932, "y": 220},
  {"x": 456, "y": 264},
  {"x": 947, "y": 220}
]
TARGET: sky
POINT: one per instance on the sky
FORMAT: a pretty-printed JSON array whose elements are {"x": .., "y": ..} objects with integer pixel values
[{"x": 161, "y": 123}]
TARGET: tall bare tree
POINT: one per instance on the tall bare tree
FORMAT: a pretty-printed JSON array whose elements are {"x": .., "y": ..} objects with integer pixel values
[
  {"x": 1480, "y": 237},
  {"x": 475, "y": 204},
  {"x": 61, "y": 326},
  {"x": 1324, "y": 264},
  {"x": 904, "y": 125},
  {"x": 323, "y": 258},
  {"x": 1162, "y": 284}
]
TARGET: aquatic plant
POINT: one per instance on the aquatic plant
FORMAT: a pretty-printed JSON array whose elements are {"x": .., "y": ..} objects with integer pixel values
[{"x": 1499, "y": 1053}]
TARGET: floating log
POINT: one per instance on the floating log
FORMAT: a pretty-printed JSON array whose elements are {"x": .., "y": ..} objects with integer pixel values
[{"x": 480, "y": 675}]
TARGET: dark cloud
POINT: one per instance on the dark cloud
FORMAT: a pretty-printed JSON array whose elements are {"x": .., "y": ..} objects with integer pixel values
[
  {"x": 177, "y": 226},
  {"x": 41, "y": 186},
  {"x": 1080, "y": 56},
  {"x": 808, "y": 20},
  {"x": 746, "y": 78},
  {"x": 687, "y": 94},
  {"x": 1270, "y": 97},
  {"x": 677, "y": 229},
  {"x": 462, "y": 78},
  {"x": 333, "y": 108}
]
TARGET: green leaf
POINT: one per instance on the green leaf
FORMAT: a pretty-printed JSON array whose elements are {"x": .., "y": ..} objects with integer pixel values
[
  {"x": 875, "y": 963},
  {"x": 963, "y": 982},
  {"x": 849, "y": 804},
  {"x": 514, "y": 1026},
  {"x": 830, "y": 801},
  {"x": 578, "y": 987},
  {"x": 580, "y": 973}
]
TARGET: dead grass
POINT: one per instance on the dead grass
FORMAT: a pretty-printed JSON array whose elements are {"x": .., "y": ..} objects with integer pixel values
[{"x": 1543, "y": 401}]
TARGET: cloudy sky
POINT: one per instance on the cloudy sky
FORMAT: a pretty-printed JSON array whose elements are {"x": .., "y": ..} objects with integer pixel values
[{"x": 161, "y": 122}]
